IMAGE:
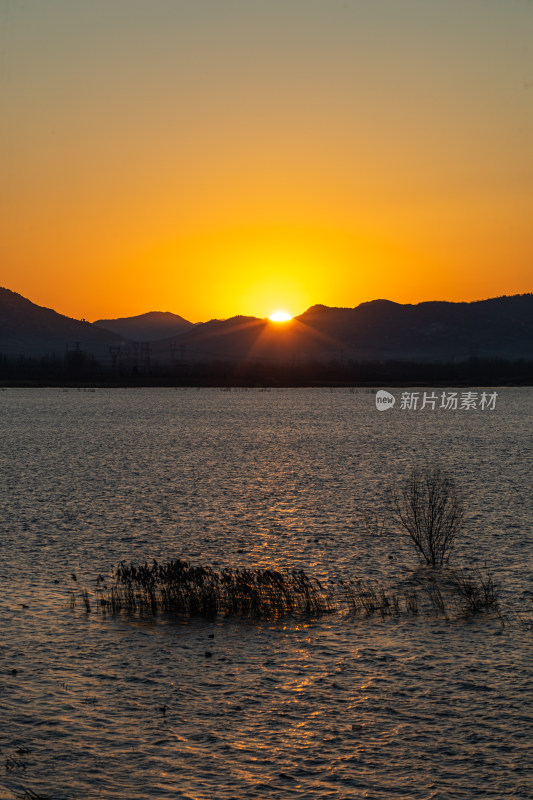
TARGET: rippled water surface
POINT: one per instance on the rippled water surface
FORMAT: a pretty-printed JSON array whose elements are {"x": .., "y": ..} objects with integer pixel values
[{"x": 426, "y": 706}]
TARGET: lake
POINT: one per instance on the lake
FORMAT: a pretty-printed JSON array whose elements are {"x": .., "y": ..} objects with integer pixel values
[{"x": 364, "y": 706}]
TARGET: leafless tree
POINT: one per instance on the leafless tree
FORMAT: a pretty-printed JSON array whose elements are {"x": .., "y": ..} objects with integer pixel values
[{"x": 429, "y": 506}]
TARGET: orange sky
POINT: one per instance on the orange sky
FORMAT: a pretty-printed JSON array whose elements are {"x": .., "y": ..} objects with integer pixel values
[{"x": 213, "y": 158}]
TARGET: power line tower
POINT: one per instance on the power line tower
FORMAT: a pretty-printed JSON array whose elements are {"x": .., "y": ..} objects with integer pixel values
[
  {"x": 145, "y": 356},
  {"x": 172, "y": 351},
  {"x": 114, "y": 351}
]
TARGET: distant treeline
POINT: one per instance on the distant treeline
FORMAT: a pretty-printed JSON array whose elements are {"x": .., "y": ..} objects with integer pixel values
[{"x": 80, "y": 368}]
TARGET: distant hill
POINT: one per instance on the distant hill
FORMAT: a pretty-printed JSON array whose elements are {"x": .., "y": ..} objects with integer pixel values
[
  {"x": 500, "y": 327},
  {"x": 146, "y": 327},
  {"x": 32, "y": 330},
  {"x": 248, "y": 338},
  {"x": 376, "y": 331}
]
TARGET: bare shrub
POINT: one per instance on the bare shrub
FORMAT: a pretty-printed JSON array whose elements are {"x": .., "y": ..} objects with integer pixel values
[
  {"x": 478, "y": 591},
  {"x": 428, "y": 506}
]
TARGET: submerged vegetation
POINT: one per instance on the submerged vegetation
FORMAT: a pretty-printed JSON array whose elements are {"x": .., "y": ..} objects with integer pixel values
[
  {"x": 477, "y": 591},
  {"x": 180, "y": 588},
  {"x": 428, "y": 507}
]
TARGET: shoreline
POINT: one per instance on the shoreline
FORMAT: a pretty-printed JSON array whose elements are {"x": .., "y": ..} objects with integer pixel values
[{"x": 154, "y": 383}]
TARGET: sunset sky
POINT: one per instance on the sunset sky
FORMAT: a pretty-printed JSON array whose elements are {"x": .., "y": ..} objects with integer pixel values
[{"x": 217, "y": 157}]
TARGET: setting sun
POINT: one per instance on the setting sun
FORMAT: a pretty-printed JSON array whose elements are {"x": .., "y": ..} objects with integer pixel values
[{"x": 280, "y": 316}]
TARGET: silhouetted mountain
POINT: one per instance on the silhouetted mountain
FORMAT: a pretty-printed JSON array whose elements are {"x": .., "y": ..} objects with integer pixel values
[
  {"x": 376, "y": 331},
  {"x": 146, "y": 327},
  {"x": 247, "y": 338},
  {"x": 31, "y": 330},
  {"x": 501, "y": 327}
]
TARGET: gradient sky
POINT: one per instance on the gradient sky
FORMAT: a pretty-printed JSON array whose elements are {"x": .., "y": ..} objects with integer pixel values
[{"x": 215, "y": 157}]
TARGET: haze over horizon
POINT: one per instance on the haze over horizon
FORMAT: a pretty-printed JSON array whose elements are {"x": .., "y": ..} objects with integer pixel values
[{"x": 217, "y": 159}]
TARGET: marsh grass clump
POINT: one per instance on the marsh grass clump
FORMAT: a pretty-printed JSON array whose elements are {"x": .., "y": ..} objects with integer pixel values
[
  {"x": 435, "y": 598},
  {"x": 181, "y": 588},
  {"x": 360, "y": 597},
  {"x": 411, "y": 601},
  {"x": 86, "y": 601},
  {"x": 477, "y": 591},
  {"x": 178, "y": 587}
]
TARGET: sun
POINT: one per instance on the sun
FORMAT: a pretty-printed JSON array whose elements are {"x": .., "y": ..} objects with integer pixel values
[{"x": 280, "y": 316}]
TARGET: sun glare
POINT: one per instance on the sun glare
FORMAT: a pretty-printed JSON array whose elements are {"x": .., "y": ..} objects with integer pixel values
[{"x": 280, "y": 316}]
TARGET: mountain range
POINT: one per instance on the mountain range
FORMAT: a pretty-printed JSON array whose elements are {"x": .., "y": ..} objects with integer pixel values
[{"x": 379, "y": 330}]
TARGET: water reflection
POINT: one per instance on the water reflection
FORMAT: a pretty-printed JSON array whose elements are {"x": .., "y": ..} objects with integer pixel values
[{"x": 327, "y": 708}]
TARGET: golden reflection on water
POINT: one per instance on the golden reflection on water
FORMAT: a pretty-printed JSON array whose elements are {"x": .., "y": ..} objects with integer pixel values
[{"x": 326, "y": 702}]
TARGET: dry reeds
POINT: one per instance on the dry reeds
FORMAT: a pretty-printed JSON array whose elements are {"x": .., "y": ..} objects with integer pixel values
[
  {"x": 477, "y": 591},
  {"x": 368, "y": 598},
  {"x": 462, "y": 592},
  {"x": 178, "y": 587},
  {"x": 359, "y": 596}
]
